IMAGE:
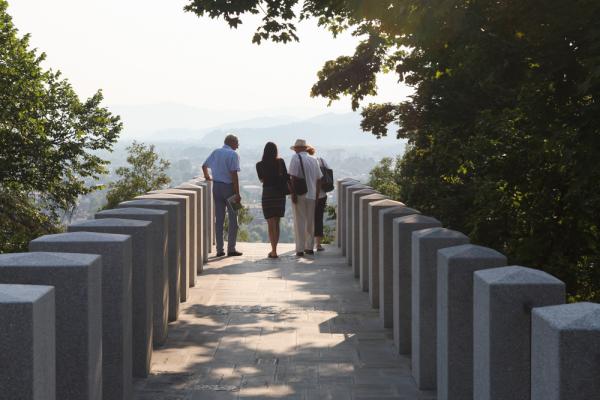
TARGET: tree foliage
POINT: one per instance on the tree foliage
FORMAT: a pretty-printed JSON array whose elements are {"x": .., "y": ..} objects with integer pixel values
[
  {"x": 385, "y": 177},
  {"x": 503, "y": 126},
  {"x": 47, "y": 141},
  {"x": 146, "y": 172}
]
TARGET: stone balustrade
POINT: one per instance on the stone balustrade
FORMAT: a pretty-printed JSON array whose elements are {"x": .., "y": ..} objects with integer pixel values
[
  {"x": 81, "y": 312},
  {"x": 473, "y": 327},
  {"x": 85, "y": 308}
]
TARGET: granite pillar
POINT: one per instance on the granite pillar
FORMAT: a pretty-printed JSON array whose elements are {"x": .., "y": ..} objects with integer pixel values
[
  {"x": 183, "y": 235},
  {"x": 342, "y": 213},
  {"x": 456, "y": 266},
  {"x": 363, "y": 240},
  {"x": 375, "y": 240},
  {"x": 27, "y": 345},
  {"x": 192, "y": 230},
  {"x": 402, "y": 229},
  {"x": 207, "y": 214},
  {"x": 565, "y": 350},
  {"x": 348, "y": 218},
  {"x": 201, "y": 227},
  {"x": 77, "y": 321},
  {"x": 210, "y": 209},
  {"x": 386, "y": 261},
  {"x": 339, "y": 205},
  {"x": 425, "y": 246},
  {"x": 160, "y": 264},
  {"x": 142, "y": 282},
  {"x": 503, "y": 299},
  {"x": 173, "y": 248},
  {"x": 338, "y": 229},
  {"x": 355, "y": 233}
]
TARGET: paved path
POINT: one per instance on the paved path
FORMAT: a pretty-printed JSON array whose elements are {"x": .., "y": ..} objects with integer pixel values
[{"x": 256, "y": 328}]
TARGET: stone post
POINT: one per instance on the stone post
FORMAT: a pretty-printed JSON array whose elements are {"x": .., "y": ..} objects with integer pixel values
[
  {"x": 142, "y": 282},
  {"x": 342, "y": 212},
  {"x": 183, "y": 234},
  {"x": 350, "y": 190},
  {"x": 375, "y": 240},
  {"x": 338, "y": 191},
  {"x": 565, "y": 352},
  {"x": 363, "y": 240},
  {"x": 425, "y": 246},
  {"x": 356, "y": 196},
  {"x": 173, "y": 246},
  {"x": 402, "y": 229},
  {"x": 77, "y": 322},
  {"x": 456, "y": 266},
  {"x": 503, "y": 299},
  {"x": 159, "y": 260},
  {"x": 386, "y": 261},
  {"x": 201, "y": 227},
  {"x": 192, "y": 243},
  {"x": 207, "y": 216},
  {"x": 27, "y": 348}
]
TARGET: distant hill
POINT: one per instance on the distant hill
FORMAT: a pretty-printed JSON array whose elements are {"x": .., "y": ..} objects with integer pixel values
[
  {"x": 171, "y": 122},
  {"x": 324, "y": 130}
]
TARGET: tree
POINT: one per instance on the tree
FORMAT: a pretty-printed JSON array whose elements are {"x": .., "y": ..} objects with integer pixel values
[
  {"x": 146, "y": 172},
  {"x": 503, "y": 125},
  {"x": 47, "y": 141},
  {"x": 385, "y": 176}
]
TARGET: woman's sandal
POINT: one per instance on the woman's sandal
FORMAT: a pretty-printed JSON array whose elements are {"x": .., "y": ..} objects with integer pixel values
[
  {"x": 270, "y": 255},
  {"x": 319, "y": 248}
]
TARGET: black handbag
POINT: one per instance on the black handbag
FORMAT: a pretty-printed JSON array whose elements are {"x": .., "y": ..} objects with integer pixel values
[
  {"x": 284, "y": 180},
  {"x": 300, "y": 187},
  {"x": 327, "y": 184}
]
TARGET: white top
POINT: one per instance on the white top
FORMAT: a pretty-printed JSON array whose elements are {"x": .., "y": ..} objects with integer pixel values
[
  {"x": 312, "y": 170},
  {"x": 322, "y": 163}
]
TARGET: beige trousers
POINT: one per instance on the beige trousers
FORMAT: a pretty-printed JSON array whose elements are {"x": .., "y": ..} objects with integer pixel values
[{"x": 304, "y": 223}]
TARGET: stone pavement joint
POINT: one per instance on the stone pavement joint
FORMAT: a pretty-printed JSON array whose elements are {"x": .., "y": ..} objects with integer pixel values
[{"x": 256, "y": 328}]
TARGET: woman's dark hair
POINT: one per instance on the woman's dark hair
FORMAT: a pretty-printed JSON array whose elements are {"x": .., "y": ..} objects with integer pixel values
[{"x": 270, "y": 153}]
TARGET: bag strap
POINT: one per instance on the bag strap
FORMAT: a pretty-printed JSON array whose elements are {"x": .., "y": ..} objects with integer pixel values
[{"x": 302, "y": 166}]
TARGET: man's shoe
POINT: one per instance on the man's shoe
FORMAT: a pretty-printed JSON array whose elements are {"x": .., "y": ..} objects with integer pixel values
[
  {"x": 220, "y": 254},
  {"x": 300, "y": 254},
  {"x": 310, "y": 252},
  {"x": 233, "y": 253}
]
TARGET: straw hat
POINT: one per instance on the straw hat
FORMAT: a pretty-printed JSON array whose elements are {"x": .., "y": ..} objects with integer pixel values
[{"x": 300, "y": 143}]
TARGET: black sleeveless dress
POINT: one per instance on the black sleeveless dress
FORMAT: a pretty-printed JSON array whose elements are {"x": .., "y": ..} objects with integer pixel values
[{"x": 272, "y": 175}]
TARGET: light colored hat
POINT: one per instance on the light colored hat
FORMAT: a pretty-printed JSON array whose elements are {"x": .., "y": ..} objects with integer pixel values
[{"x": 300, "y": 143}]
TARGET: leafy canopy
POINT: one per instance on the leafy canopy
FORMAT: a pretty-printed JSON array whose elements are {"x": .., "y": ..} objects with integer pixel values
[
  {"x": 146, "y": 172},
  {"x": 503, "y": 126},
  {"x": 48, "y": 139}
]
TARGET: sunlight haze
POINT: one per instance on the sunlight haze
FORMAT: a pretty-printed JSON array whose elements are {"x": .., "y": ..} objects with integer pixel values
[{"x": 152, "y": 52}]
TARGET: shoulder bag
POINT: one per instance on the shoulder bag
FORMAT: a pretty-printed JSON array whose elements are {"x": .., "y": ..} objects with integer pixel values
[
  {"x": 284, "y": 179},
  {"x": 300, "y": 187},
  {"x": 327, "y": 184}
]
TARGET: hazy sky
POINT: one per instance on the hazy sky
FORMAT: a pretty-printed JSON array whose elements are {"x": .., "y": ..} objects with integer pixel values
[{"x": 150, "y": 51}]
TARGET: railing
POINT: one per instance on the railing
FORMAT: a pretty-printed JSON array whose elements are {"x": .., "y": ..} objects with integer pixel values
[
  {"x": 473, "y": 327},
  {"x": 81, "y": 312}
]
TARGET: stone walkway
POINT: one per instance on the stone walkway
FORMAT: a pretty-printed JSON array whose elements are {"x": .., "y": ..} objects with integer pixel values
[{"x": 256, "y": 328}]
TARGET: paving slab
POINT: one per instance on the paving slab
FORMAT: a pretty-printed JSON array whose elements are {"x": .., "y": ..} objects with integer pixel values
[{"x": 292, "y": 328}]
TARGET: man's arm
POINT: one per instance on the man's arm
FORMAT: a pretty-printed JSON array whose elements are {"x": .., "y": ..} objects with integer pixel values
[
  {"x": 236, "y": 185},
  {"x": 205, "y": 171}
]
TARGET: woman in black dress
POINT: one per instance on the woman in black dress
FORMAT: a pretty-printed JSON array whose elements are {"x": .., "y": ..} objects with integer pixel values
[{"x": 272, "y": 172}]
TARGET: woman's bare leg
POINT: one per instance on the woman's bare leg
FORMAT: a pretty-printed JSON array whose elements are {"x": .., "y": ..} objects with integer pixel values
[{"x": 273, "y": 234}]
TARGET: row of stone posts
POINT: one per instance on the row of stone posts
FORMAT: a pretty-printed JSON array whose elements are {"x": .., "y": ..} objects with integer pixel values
[
  {"x": 473, "y": 327},
  {"x": 82, "y": 311}
]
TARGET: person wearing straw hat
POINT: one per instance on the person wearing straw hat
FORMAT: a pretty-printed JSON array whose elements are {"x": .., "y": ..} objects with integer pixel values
[{"x": 306, "y": 183}]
